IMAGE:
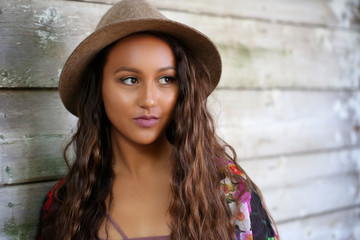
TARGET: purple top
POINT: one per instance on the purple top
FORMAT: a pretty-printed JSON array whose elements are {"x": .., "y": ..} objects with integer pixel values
[{"x": 117, "y": 227}]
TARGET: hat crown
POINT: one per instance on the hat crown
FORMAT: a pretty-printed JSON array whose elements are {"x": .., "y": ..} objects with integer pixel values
[{"x": 129, "y": 10}]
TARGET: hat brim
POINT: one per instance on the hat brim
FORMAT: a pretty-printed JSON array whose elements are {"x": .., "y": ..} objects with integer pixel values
[{"x": 71, "y": 76}]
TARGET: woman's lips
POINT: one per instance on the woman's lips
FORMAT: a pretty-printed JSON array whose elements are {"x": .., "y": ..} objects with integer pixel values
[{"x": 146, "y": 120}]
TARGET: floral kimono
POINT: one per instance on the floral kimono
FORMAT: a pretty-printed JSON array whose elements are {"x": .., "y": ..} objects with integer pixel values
[{"x": 251, "y": 220}]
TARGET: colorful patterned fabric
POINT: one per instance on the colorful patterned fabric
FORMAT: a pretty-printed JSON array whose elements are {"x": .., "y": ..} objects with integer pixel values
[
  {"x": 251, "y": 220},
  {"x": 48, "y": 201}
]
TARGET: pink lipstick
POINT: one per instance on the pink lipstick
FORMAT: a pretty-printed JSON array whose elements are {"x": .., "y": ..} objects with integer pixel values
[{"x": 146, "y": 120}]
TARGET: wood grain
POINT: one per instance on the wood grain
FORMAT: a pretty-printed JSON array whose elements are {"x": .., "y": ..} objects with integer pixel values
[
  {"x": 37, "y": 36},
  {"x": 297, "y": 187},
  {"x": 337, "y": 225},
  {"x": 20, "y": 210},
  {"x": 256, "y": 54},
  {"x": 265, "y": 123},
  {"x": 266, "y": 55},
  {"x": 287, "y": 171},
  {"x": 30, "y": 113},
  {"x": 316, "y": 197},
  {"x": 34, "y": 126},
  {"x": 326, "y": 13}
]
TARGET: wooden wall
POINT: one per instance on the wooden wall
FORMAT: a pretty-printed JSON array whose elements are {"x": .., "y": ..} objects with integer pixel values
[{"x": 288, "y": 101}]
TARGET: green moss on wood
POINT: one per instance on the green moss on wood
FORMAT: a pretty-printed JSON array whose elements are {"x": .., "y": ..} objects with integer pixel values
[
  {"x": 240, "y": 53},
  {"x": 243, "y": 56},
  {"x": 17, "y": 231},
  {"x": 9, "y": 172}
]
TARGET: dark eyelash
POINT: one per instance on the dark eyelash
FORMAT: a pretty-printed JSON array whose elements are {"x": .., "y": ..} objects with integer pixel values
[
  {"x": 172, "y": 78},
  {"x": 128, "y": 77}
]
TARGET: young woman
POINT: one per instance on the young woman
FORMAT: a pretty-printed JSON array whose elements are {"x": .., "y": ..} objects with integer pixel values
[{"x": 148, "y": 164}]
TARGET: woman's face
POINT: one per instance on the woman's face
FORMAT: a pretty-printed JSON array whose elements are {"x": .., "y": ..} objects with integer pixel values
[{"x": 140, "y": 88}]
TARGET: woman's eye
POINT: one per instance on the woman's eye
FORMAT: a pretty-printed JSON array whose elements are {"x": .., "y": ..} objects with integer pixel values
[
  {"x": 166, "y": 80},
  {"x": 129, "y": 80}
]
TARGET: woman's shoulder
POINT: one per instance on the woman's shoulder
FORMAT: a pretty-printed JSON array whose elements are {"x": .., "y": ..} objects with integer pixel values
[{"x": 250, "y": 218}]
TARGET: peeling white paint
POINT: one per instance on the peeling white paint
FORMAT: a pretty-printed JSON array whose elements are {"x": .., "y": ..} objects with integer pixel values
[
  {"x": 50, "y": 15},
  {"x": 355, "y": 156},
  {"x": 340, "y": 110},
  {"x": 269, "y": 99},
  {"x": 352, "y": 190},
  {"x": 283, "y": 161},
  {"x": 354, "y": 106},
  {"x": 353, "y": 138},
  {"x": 349, "y": 62},
  {"x": 323, "y": 39},
  {"x": 338, "y": 138},
  {"x": 344, "y": 10},
  {"x": 349, "y": 109},
  {"x": 303, "y": 212},
  {"x": 356, "y": 233},
  {"x": 44, "y": 37}
]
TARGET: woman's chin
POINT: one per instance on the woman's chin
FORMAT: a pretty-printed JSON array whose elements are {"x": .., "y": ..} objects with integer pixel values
[{"x": 149, "y": 139}]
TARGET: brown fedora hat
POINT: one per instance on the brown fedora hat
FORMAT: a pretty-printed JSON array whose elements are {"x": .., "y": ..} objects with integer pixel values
[{"x": 125, "y": 18}]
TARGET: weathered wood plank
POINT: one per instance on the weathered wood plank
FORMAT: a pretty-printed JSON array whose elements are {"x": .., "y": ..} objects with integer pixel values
[
  {"x": 287, "y": 171},
  {"x": 33, "y": 126},
  {"x": 255, "y": 54},
  {"x": 32, "y": 159},
  {"x": 339, "y": 225},
  {"x": 20, "y": 210},
  {"x": 266, "y": 55},
  {"x": 29, "y": 113},
  {"x": 36, "y": 124},
  {"x": 308, "y": 184},
  {"x": 264, "y": 123},
  {"x": 37, "y": 36},
  {"x": 315, "y": 12},
  {"x": 313, "y": 197}
]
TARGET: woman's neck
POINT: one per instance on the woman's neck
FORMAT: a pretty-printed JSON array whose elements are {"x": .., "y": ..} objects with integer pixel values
[{"x": 136, "y": 160}]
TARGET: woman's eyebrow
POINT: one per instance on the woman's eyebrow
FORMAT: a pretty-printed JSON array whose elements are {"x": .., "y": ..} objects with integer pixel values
[
  {"x": 128, "y": 69},
  {"x": 166, "y": 68}
]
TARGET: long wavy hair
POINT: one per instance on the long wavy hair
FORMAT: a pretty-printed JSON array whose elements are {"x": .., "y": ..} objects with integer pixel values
[{"x": 199, "y": 161}]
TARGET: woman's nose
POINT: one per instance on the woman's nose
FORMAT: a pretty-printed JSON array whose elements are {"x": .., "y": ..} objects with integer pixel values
[{"x": 147, "y": 95}]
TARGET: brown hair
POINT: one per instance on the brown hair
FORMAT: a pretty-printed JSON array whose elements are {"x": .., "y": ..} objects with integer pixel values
[{"x": 199, "y": 161}]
